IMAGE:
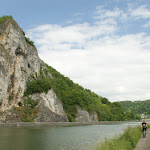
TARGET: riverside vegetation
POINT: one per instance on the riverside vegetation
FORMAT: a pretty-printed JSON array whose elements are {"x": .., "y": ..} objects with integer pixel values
[{"x": 126, "y": 141}]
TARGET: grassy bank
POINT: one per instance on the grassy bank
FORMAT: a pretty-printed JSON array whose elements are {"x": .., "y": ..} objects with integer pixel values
[{"x": 126, "y": 141}]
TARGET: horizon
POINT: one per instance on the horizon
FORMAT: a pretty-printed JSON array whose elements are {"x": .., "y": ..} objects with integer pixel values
[{"x": 102, "y": 46}]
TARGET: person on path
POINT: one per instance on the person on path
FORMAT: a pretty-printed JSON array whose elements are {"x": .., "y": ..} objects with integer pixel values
[{"x": 144, "y": 126}]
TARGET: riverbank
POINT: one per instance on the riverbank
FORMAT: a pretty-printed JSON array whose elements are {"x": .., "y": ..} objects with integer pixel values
[
  {"x": 22, "y": 124},
  {"x": 126, "y": 141},
  {"x": 143, "y": 143}
]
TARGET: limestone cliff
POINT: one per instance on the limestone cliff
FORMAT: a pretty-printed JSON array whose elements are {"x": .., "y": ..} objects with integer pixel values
[
  {"x": 51, "y": 107},
  {"x": 18, "y": 61},
  {"x": 83, "y": 116},
  {"x": 19, "y": 65}
]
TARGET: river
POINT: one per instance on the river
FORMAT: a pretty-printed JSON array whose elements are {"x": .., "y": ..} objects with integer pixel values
[{"x": 58, "y": 138}]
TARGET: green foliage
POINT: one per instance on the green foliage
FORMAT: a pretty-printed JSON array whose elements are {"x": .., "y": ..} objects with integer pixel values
[
  {"x": 105, "y": 101},
  {"x": 70, "y": 118},
  {"x": 4, "y": 18},
  {"x": 137, "y": 107},
  {"x": 138, "y": 117},
  {"x": 37, "y": 86},
  {"x": 23, "y": 33},
  {"x": 130, "y": 115},
  {"x": 29, "y": 111},
  {"x": 29, "y": 102},
  {"x": 29, "y": 41},
  {"x": 73, "y": 95},
  {"x": 127, "y": 141}
]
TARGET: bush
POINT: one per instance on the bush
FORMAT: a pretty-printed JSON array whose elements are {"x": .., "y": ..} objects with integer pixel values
[
  {"x": 37, "y": 86},
  {"x": 70, "y": 118},
  {"x": 29, "y": 41},
  {"x": 4, "y": 18},
  {"x": 29, "y": 102}
]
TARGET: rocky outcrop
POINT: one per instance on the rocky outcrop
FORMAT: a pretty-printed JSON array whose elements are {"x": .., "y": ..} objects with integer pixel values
[
  {"x": 18, "y": 60},
  {"x": 19, "y": 63},
  {"x": 51, "y": 108},
  {"x": 83, "y": 116}
]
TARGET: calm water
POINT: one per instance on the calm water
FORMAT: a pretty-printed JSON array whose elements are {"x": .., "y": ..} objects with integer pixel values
[{"x": 57, "y": 138}]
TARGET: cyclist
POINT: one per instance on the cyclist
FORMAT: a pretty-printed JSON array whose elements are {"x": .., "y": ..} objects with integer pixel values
[{"x": 144, "y": 125}]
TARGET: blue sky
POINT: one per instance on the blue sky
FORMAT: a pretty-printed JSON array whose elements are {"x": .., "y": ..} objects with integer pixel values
[{"x": 102, "y": 45}]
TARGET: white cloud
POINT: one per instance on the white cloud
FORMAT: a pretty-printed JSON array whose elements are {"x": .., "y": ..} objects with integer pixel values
[
  {"x": 57, "y": 37},
  {"x": 93, "y": 55},
  {"x": 102, "y": 13},
  {"x": 140, "y": 12}
]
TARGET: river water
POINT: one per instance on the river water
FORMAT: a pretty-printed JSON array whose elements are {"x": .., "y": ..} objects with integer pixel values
[{"x": 58, "y": 138}]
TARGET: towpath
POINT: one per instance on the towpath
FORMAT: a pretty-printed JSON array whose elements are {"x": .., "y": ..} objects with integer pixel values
[{"x": 144, "y": 143}]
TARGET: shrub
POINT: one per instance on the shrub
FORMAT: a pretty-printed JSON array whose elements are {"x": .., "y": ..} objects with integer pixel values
[
  {"x": 4, "y": 18},
  {"x": 37, "y": 86},
  {"x": 29, "y": 41},
  {"x": 29, "y": 102},
  {"x": 70, "y": 118}
]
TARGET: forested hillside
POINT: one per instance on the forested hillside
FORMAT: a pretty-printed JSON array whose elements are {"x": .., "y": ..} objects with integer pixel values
[
  {"x": 137, "y": 107},
  {"x": 72, "y": 94}
]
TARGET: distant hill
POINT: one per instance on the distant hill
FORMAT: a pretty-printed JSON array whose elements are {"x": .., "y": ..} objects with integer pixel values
[{"x": 137, "y": 107}]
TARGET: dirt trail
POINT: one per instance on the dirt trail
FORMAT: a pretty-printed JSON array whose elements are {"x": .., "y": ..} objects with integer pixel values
[{"x": 144, "y": 143}]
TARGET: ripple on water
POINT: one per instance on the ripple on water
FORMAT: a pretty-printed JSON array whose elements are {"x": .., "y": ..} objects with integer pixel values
[{"x": 58, "y": 138}]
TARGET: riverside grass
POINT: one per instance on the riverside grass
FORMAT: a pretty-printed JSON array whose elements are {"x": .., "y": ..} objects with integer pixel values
[{"x": 126, "y": 141}]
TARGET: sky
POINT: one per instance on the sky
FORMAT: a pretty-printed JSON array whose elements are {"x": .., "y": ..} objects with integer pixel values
[{"x": 103, "y": 45}]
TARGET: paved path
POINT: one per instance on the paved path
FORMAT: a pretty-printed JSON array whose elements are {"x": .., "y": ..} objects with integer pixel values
[{"x": 144, "y": 143}]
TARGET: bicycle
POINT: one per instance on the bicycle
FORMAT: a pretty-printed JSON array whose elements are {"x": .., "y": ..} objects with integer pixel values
[{"x": 144, "y": 132}]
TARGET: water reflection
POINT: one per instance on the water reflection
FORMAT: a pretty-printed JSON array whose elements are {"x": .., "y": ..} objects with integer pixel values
[{"x": 57, "y": 138}]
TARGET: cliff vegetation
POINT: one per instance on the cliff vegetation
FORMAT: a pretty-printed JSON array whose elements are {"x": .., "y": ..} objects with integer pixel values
[
  {"x": 73, "y": 95},
  {"x": 27, "y": 111},
  {"x": 4, "y": 18}
]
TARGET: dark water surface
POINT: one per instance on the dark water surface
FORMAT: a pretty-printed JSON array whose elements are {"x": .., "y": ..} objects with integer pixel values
[{"x": 58, "y": 138}]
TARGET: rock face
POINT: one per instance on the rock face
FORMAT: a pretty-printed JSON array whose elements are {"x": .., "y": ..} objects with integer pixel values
[
  {"x": 18, "y": 62},
  {"x": 51, "y": 108},
  {"x": 84, "y": 116}
]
